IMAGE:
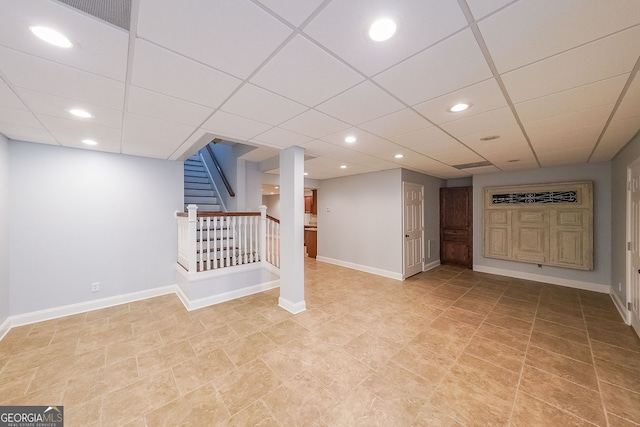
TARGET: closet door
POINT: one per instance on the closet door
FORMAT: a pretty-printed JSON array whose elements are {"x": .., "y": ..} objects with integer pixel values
[{"x": 456, "y": 226}]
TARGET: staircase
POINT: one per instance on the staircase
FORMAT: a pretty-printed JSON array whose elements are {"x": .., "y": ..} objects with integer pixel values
[{"x": 198, "y": 189}]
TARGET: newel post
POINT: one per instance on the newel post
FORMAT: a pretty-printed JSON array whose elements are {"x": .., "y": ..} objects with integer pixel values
[
  {"x": 192, "y": 239},
  {"x": 263, "y": 233}
]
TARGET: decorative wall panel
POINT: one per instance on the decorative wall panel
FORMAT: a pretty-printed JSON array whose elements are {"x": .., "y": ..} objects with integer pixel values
[{"x": 550, "y": 224}]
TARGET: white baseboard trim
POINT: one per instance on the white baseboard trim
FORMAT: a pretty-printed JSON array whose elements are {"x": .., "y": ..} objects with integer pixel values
[
  {"x": 587, "y": 286},
  {"x": 431, "y": 265},
  {"x": 291, "y": 307},
  {"x": 83, "y": 307},
  {"x": 5, "y": 327},
  {"x": 365, "y": 268},
  {"x": 622, "y": 308},
  {"x": 227, "y": 296}
]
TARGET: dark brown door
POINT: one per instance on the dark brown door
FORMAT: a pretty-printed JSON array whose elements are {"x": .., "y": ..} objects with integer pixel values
[{"x": 456, "y": 226}]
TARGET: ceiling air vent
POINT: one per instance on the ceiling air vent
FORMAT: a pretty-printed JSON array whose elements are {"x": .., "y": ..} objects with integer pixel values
[
  {"x": 473, "y": 165},
  {"x": 116, "y": 12}
]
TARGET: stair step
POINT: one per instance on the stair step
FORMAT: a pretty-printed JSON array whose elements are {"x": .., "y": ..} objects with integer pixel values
[
  {"x": 195, "y": 174},
  {"x": 200, "y": 200},
  {"x": 197, "y": 186},
  {"x": 197, "y": 179},
  {"x": 193, "y": 168},
  {"x": 198, "y": 192}
]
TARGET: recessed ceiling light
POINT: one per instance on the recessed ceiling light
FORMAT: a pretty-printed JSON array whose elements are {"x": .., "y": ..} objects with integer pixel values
[
  {"x": 343, "y": 166},
  {"x": 89, "y": 142},
  {"x": 489, "y": 138},
  {"x": 382, "y": 29},
  {"x": 51, "y": 36},
  {"x": 81, "y": 113},
  {"x": 459, "y": 107},
  {"x": 306, "y": 173},
  {"x": 276, "y": 187},
  {"x": 350, "y": 139},
  {"x": 399, "y": 156}
]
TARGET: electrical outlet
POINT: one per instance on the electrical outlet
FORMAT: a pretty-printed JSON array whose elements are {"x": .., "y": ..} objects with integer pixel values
[{"x": 95, "y": 286}]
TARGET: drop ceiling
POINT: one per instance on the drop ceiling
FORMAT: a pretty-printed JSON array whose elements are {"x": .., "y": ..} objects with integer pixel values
[{"x": 555, "y": 80}]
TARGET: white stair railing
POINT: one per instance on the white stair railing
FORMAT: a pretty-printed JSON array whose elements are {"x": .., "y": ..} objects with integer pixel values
[{"x": 212, "y": 240}]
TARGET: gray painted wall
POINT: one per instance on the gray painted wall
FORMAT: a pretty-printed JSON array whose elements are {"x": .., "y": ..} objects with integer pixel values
[
  {"x": 599, "y": 173},
  {"x": 431, "y": 211},
  {"x": 364, "y": 223},
  {"x": 4, "y": 229},
  {"x": 626, "y": 156},
  {"x": 272, "y": 202},
  {"x": 80, "y": 216}
]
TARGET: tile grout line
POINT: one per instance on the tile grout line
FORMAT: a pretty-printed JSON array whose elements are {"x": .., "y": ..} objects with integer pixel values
[
  {"x": 524, "y": 361},
  {"x": 595, "y": 368}
]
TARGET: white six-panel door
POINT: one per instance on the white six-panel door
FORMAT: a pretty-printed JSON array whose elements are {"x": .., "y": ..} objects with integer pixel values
[{"x": 413, "y": 227}]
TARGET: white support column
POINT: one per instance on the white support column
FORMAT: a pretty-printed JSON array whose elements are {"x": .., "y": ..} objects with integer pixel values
[{"x": 292, "y": 230}]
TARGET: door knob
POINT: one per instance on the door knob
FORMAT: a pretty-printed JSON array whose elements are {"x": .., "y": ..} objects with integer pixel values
[{"x": 406, "y": 235}]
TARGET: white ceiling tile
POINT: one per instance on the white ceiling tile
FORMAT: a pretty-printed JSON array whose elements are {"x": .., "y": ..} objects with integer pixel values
[
  {"x": 397, "y": 123},
  {"x": 362, "y": 138},
  {"x": 28, "y": 134},
  {"x": 79, "y": 130},
  {"x": 9, "y": 99},
  {"x": 603, "y": 92},
  {"x": 482, "y": 8},
  {"x": 41, "y": 75},
  {"x": 484, "y": 96},
  {"x": 616, "y": 55},
  {"x": 165, "y": 72},
  {"x": 144, "y": 136},
  {"x": 108, "y": 140},
  {"x": 485, "y": 122},
  {"x": 57, "y": 106},
  {"x": 615, "y": 137},
  {"x": 482, "y": 170},
  {"x": 99, "y": 48},
  {"x": 518, "y": 165},
  {"x": 234, "y": 36},
  {"x": 360, "y": 104},
  {"x": 435, "y": 71},
  {"x": 432, "y": 135},
  {"x": 305, "y": 73},
  {"x": 261, "y": 105},
  {"x": 570, "y": 156},
  {"x": 226, "y": 125},
  {"x": 628, "y": 108},
  {"x": 280, "y": 138},
  {"x": 259, "y": 154},
  {"x": 453, "y": 155},
  {"x": 510, "y": 136},
  {"x": 295, "y": 12},
  {"x": 18, "y": 117},
  {"x": 342, "y": 27},
  {"x": 589, "y": 122},
  {"x": 530, "y": 30},
  {"x": 634, "y": 88},
  {"x": 314, "y": 124},
  {"x": 152, "y": 104}
]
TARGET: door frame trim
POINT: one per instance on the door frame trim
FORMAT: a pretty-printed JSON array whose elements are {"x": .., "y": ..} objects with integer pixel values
[{"x": 628, "y": 261}]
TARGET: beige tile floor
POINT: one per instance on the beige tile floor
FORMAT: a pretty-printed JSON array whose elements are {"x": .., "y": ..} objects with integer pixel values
[{"x": 447, "y": 347}]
